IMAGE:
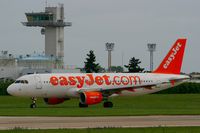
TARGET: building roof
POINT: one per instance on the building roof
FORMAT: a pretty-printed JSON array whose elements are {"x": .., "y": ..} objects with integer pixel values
[{"x": 35, "y": 57}]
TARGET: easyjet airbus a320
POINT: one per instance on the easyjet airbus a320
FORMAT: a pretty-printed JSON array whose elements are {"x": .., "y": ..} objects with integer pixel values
[{"x": 94, "y": 88}]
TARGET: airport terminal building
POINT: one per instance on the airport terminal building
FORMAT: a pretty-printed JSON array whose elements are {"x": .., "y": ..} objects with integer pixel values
[{"x": 13, "y": 67}]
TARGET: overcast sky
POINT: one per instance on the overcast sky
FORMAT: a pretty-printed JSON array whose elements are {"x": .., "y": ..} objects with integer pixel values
[{"x": 130, "y": 24}]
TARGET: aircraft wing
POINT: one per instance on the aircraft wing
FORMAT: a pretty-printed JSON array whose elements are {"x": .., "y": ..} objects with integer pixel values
[{"x": 116, "y": 90}]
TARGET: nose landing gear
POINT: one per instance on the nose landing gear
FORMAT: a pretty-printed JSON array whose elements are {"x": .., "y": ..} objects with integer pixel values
[{"x": 33, "y": 104}]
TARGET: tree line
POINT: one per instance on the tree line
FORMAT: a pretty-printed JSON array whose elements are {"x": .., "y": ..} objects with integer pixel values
[{"x": 92, "y": 67}]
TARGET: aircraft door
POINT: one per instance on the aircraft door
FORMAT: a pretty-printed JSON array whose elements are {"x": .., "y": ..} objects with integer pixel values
[{"x": 38, "y": 82}]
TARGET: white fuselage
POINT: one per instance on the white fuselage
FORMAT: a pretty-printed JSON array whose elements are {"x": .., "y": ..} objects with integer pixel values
[{"x": 70, "y": 85}]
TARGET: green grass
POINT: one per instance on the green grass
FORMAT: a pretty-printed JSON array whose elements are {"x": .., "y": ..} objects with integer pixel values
[
  {"x": 156, "y": 104},
  {"x": 114, "y": 130}
]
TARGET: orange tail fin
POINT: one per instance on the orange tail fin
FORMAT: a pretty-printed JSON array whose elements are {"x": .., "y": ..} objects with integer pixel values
[{"x": 173, "y": 61}]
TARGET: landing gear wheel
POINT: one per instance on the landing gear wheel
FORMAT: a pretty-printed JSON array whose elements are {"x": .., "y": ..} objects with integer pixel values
[
  {"x": 107, "y": 104},
  {"x": 33, "y": 104},
  {"x": 83, "y": 105}
]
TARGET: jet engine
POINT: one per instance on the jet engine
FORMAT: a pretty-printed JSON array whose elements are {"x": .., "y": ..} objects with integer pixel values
[
  {"x": 89, "y": 98},
  {"x": 54, "y": 101}
]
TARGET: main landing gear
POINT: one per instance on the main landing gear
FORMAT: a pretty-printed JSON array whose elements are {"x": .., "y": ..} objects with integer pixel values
[
  {"x": 33, "y": 104},
  {"x": 82, "y": 105},
  {"x": 107, "y": 104}
]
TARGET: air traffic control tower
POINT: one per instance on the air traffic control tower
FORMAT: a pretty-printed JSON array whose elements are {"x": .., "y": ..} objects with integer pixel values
[{"x": 52, "y": 23}]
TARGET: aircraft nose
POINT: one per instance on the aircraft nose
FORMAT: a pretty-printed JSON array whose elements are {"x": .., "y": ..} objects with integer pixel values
[{"x": 11, "y": 89}]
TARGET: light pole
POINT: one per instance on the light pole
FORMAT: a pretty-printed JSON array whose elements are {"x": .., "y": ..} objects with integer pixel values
[
  {"x": 151, "y": 49},
  {"x": 109, "y": 48}
]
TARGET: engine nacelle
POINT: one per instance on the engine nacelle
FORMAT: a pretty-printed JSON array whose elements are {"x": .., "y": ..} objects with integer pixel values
[
  {"x": 90, "y": 98},
  {"x": 54, "y": 101}
]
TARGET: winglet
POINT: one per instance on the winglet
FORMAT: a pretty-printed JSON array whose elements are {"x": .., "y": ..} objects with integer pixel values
[{"x": 173, "y": 61}]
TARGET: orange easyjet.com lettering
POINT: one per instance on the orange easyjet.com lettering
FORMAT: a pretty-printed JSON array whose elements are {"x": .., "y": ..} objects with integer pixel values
[{"x": 90, "y": 79}]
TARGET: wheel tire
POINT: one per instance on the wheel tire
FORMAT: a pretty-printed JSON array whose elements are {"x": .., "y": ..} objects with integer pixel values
[
  {"x": 83, "y": 105},
  {"x": 107, "y": 104},
  {"x": 33, "y": 105}
]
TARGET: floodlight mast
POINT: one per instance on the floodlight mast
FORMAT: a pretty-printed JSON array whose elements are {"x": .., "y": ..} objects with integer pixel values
[
  {"x": 109, "y": 48},
  {"x": 151, "y": 49}
]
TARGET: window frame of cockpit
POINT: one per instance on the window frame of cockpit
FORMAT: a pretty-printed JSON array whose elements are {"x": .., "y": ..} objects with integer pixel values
[{"x": 21, "y": 82}]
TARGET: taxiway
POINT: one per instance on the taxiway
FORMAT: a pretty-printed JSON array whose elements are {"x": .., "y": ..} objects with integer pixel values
[{"x": 97, "y": 122}]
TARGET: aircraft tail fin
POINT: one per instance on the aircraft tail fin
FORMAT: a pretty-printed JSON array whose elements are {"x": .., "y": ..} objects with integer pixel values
[{"x": 172, "y": 63}]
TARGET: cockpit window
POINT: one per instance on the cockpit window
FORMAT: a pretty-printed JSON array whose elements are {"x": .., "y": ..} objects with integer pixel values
[
  {"x": 17, "y": 81},
  {"x": 21, "y": 81}
]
